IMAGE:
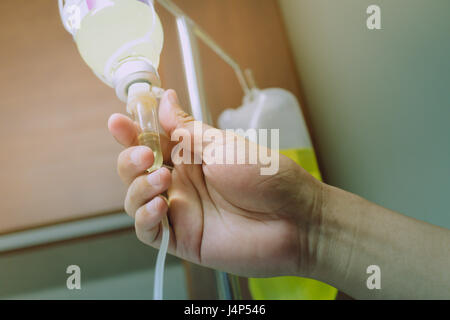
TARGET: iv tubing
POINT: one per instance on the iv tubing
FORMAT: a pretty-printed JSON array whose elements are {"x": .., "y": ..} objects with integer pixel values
[{"x": 160, "y": 260}]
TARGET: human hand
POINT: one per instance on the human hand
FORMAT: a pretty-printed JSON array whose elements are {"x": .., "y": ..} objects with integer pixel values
[{"x": 228, "y": 217}]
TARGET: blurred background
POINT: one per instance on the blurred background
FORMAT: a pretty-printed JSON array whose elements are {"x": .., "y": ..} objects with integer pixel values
[{"x": 377, "y": 104}]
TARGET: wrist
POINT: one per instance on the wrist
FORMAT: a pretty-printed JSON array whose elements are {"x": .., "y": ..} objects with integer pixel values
[
  {"x": 332, "y": 235},
  {"x": 309, "y": 215},
  {"x": 326, "y": 228}
]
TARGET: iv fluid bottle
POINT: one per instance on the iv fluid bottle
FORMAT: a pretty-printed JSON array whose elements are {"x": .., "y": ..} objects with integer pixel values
[
  {"x": 121, "y": 41},
  {"x": 117, "y": 38}
]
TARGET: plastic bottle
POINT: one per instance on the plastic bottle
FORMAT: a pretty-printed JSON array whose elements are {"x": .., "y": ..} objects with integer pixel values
[
  {"x": 279, "y": 109},
  {"x": 120, "y": 40}
]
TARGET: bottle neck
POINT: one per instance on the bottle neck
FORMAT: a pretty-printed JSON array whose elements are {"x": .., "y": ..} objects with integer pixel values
[{"x": 131, "y": 72}]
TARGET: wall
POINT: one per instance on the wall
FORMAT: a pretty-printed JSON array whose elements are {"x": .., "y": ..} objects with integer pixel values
[
  {"x": 58, "y": 158},
  {"x": 379, "y": 101},
  {"x": 113, "y": 266}
]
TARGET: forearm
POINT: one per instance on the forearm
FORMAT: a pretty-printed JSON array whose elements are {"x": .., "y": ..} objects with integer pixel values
[{"x": 353, "y": 234}]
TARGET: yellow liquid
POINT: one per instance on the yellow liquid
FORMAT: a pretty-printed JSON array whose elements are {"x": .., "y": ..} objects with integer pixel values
[
  {"x": 294, "y": 288},
  {"x": 151, "y": 140},
  {"x": 306, "y": 158},
  {"x": 104, "y": 32}
]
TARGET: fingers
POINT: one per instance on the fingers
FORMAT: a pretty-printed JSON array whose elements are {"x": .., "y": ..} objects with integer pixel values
[
  {"x": 148, "y": 220},
  {"x": 171, "y": 115},
  {"x": 179, "y": 124},
  {"x": 145, "y": 188},
  {"x": 126, "y": 132},
  {"x": 133, "y": 162},
  {"x": 123, "y": 130}
]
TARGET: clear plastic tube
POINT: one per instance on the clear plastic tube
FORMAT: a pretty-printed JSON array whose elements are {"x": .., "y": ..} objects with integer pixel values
[
  {"x": 160, "y": 261},
  {"x": 142, "y": 105}
]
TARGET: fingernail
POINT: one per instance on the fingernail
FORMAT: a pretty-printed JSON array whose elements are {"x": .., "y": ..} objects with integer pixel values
[
  {"x": 173, "y": 97},
  {"x": 136, "y": 156},
  {"x": 154, "y": 179}
]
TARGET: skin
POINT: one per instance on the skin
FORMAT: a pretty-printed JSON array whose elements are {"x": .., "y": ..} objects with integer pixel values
[{"x": 231, "y": 218}]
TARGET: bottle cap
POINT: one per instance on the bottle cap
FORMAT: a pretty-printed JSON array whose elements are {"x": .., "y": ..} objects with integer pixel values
[
  {"x": 134, "y": 71},
  {"x": 137, "y": 89}
]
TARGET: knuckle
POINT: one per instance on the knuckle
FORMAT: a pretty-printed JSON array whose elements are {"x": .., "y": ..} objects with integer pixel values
[
  {"x": 132, "y": 198},
  {"x": 128, "y": 210},
  {"x": 146, "y": 236},
  {"x": 140, "y": 183},
  {"x": 121, "y": 163},
  {"x": 140, "y": 235},
  {"x": 136, "y": 194},
  {"x": 128, "y": 207},
  {"x": 160, "y": 204},
  {"x": 140, "y": 216}
]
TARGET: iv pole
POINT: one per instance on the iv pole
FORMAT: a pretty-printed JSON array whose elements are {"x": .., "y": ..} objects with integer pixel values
[{"x": 188, "y": 30}]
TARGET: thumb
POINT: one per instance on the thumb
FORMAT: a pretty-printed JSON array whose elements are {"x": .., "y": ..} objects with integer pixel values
[{"x": 172, "y": 117}]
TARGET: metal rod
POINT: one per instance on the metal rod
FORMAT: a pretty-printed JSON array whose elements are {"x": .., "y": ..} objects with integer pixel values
[
  {"x": 227, "y": 285},
  {"x": 193, "y": 72},
  {"x": 64, "y": 231}
]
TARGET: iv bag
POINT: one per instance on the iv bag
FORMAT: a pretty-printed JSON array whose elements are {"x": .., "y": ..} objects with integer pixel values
[{"x": 272, "y": 108}]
